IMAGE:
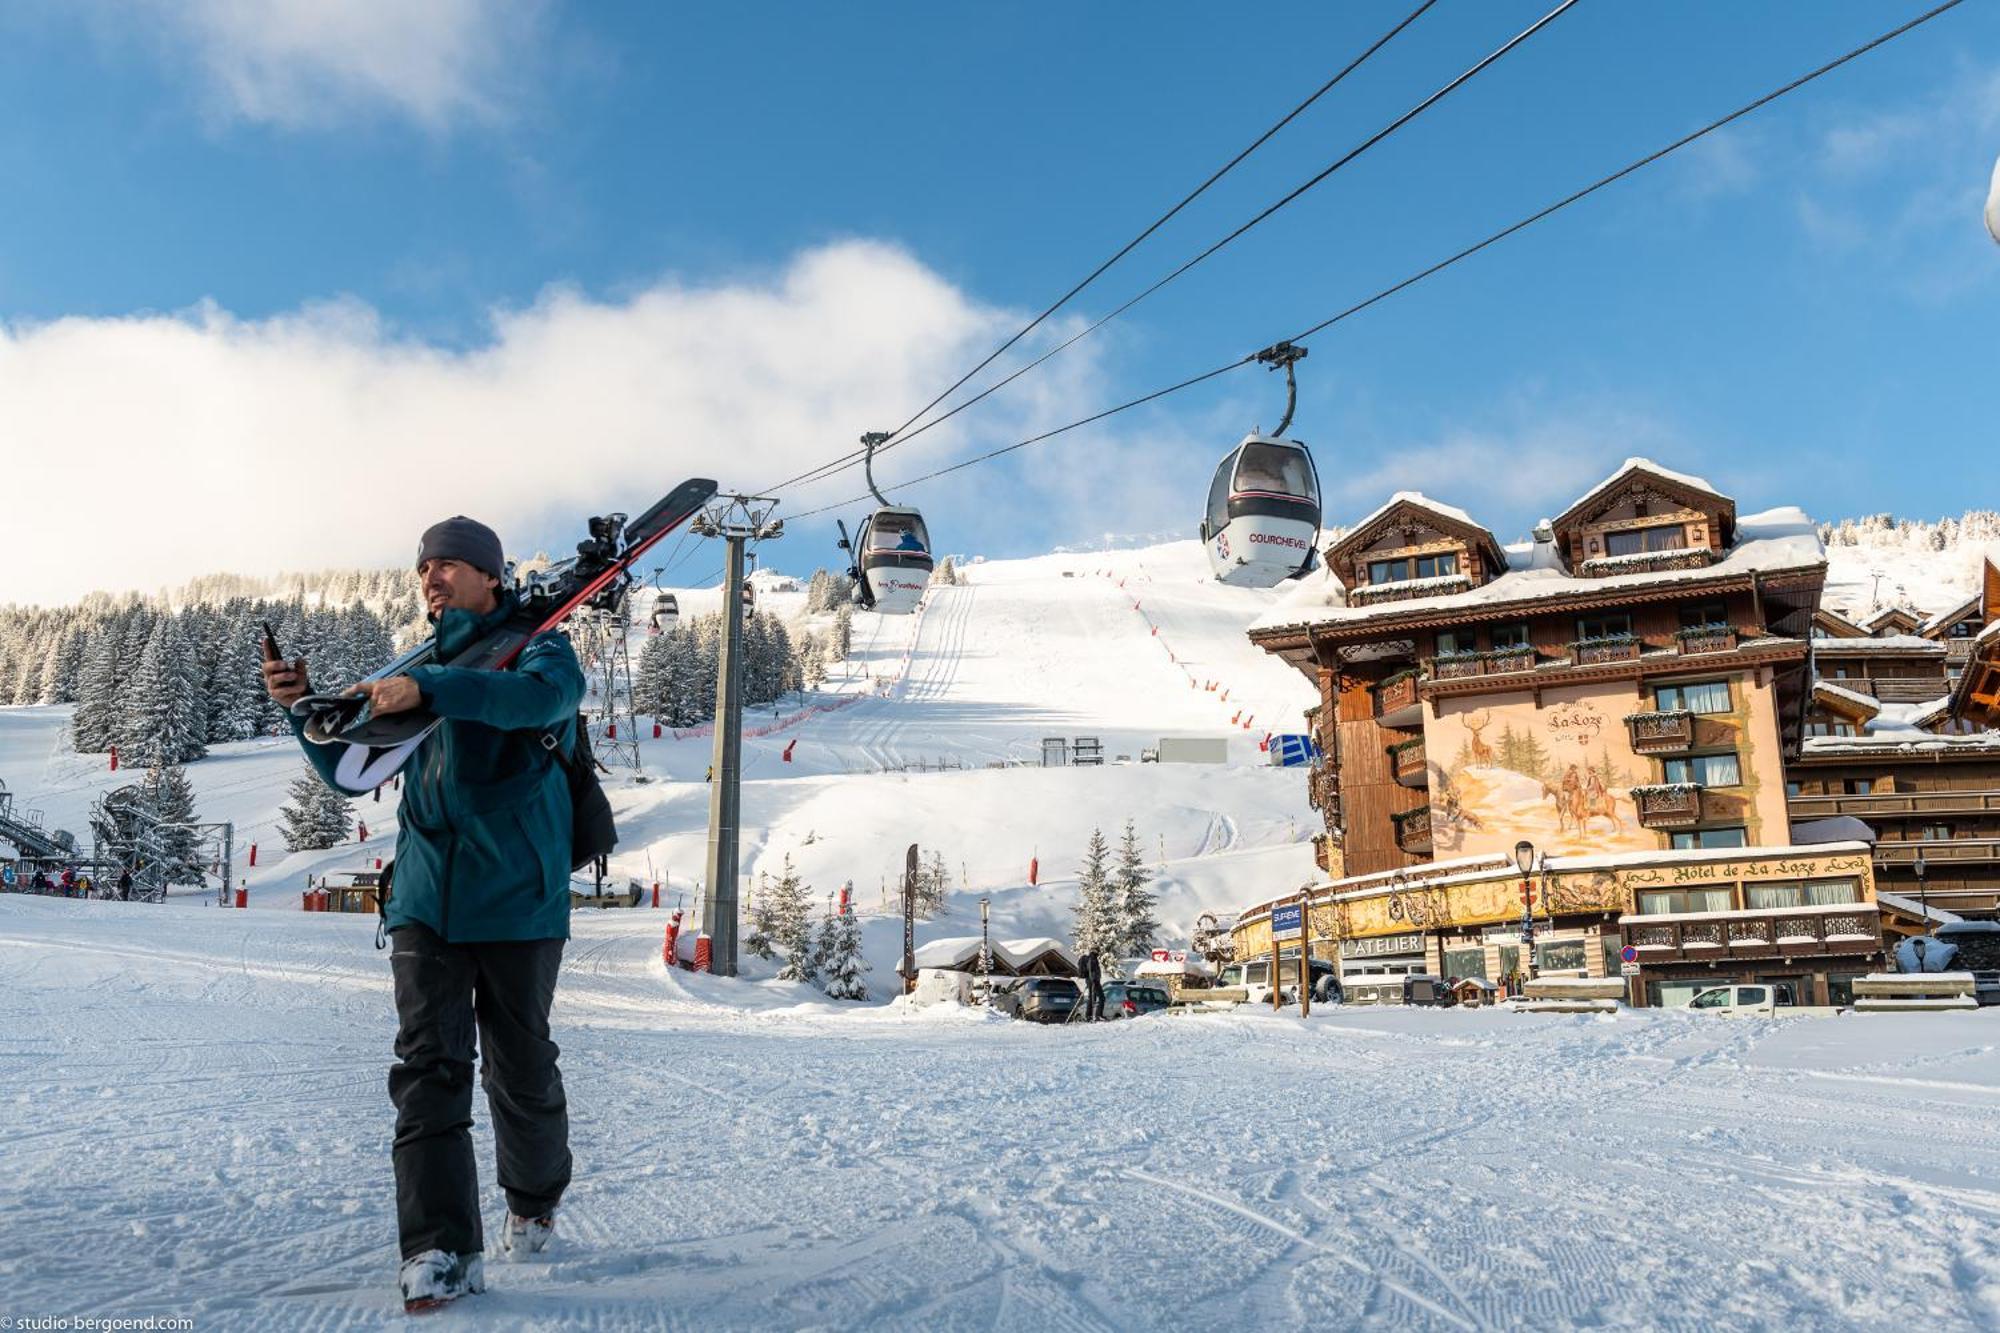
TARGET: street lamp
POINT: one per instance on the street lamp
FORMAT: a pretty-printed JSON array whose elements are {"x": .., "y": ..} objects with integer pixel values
[
  {"x": 985, "y": 954},
  {"x": 1923, "y": 892},
  {"x": 1524, "y": 861}
]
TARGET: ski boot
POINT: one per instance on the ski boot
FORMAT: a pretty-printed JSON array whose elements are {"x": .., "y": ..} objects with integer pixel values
[
  {"x": 523, "y": 1236},
  {"x": 435, "y": 1278}
]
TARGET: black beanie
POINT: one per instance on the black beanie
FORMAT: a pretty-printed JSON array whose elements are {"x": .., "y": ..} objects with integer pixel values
[{"x": 462, "y": 538}]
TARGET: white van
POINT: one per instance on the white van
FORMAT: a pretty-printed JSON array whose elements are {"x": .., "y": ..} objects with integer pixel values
[{"x": 1768, "y": 1000}]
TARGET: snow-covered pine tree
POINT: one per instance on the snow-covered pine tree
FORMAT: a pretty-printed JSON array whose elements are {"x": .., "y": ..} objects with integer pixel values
[
  {"x": 841, "y": 963},
  {"x": 840, "y": 642},
  {"x": 791, "y": 909},
  {"x": 97, "y": 692},
  {"x": 1094, "y": 925},
  {"x": 649, "y": 676},
  {"x": 298, "y": 817},
  {"x": 933, "y": 885},
  {"x": 164, "y": 721},
  {"x": 1133, "y": 900},
  {"x": 816, "y": 591}
]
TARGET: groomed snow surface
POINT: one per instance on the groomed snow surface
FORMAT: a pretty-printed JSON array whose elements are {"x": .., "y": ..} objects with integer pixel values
[
  {"x": 199, "y": 1128},
  {"x": 199, "y": 1124}
]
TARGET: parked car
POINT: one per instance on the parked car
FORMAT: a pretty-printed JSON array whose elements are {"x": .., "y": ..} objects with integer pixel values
[
  {"x": 1130, "y": 999},
  {"x": 1255, "y": 977},
  {"x": 1037, "y": 999}
]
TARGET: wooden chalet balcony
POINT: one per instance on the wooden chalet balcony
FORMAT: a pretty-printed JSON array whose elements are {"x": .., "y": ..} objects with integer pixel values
[
  {"x": 1669, "y": 806},
  {"x": 1958, "y": 651},
  {"x": 1413, "y": 830},
  {"x": 1878, "y": 804},
  {"x": 1605, "y": 650},
  {"x": 1707, "y": 640},
  {"x": 1407, "y": 759},
  {"x": 1956, "y": 850},
  {"x": 1396, "y": 702},
  {"x": 1666, "y": 732},
  {"x": 1785, "y": 932},
  {"x": 1498, "y": 662},
  {"x": 1901, "y": 689}
]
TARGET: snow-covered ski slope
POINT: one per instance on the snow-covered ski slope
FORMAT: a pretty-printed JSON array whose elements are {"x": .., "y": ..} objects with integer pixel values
[
  {"x": 198, "y": 1127},
  {"x": 931, "y": 733}
]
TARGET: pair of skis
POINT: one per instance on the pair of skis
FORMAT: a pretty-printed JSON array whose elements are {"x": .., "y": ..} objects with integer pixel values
[{"x": 373, "y": 749}]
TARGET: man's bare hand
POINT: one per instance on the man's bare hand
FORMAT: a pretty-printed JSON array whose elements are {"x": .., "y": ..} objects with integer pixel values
[
  {"x": 286, "y": 682},
  {"x": 397, "y": 694}
]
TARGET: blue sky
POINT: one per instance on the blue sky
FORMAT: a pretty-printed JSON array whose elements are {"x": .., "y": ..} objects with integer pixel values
[{"x": 221, "y": 212}]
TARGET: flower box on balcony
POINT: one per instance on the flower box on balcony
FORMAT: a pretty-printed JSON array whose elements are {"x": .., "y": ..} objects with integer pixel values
[
  {"x": 1403, "y": 590},
  {"x": 1668, "y": 804},
  {"x": 1646, "y": 562},
  {"x": 1706, "y": 638},
  {"x": 1396, "y": 698},
  {"x": 1457, "y": 665},
  {"x": 1510, "y": 659},
  {"x": 1407, "y": 759},
  {"x": 1616, "y": 648},
  {"x": 1413, "y": 829},
  {"x": 1663, "y": 732}
]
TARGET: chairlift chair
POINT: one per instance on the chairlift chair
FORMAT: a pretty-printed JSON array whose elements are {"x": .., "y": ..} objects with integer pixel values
[
  {"x": 1261, "y": 526},
  {"x": 890, "y": 554}
]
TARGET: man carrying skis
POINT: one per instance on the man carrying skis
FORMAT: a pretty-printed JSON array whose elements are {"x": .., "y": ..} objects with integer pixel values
[{"x": 478, "y": 911}]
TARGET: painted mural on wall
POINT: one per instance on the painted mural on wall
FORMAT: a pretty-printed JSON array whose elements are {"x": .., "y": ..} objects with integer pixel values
[{"x": 1559, "y": 776}]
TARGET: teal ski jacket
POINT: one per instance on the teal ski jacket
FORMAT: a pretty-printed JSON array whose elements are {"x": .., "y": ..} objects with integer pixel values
[{"x": 484, "y": 849}]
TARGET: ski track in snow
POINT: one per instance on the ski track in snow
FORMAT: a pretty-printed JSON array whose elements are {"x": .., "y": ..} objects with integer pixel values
[{"x": 197, "y": 1134}]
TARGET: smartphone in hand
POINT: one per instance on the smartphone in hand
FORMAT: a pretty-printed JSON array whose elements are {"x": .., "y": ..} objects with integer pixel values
[{"x": 271, "y": 653}]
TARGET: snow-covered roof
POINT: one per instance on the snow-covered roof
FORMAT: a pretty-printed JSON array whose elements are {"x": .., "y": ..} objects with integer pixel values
[
  {"x": 1951, "y": 615},
  {"x": 1897, "y": 644},
  {"x": 1888, "y": 611},
  {"x": 1898, "y": 742},
  {"x": 1912, "y": 907},
  {"x": 1776, "y": 539},
  {"x": 957, "y": 951},
  {"x": 1422, "y": 501},
  {"x": 1632, "y": 465},
  {"x": 1828, "y": 691}
]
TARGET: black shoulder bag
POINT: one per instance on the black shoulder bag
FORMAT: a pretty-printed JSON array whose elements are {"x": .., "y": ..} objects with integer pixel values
[{"x": 592, "y": 831}]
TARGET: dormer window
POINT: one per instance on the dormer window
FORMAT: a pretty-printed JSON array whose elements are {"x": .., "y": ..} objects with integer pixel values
[
  {"x": 1964, "y": 629},
  {"x": 1412, "y": 567},
  {"x": 1634, "y": 541}
]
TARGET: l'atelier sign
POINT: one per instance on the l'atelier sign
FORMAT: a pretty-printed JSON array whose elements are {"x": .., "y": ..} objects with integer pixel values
[{"x": 1574, "y": 722}]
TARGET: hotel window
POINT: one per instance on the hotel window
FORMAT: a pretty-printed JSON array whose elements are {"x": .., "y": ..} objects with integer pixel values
[
  {"x": 1964, "y": 629},
  {"x": 1710, "y": 770},
  {"x": 1830, "y": 727},
  {"x": 1934, "y": 833},
  {"x": 1697, "y": 839},
  {"x": 1463, "y": 963},
  {"x": 1456, "y": 642},
  {"x": 1708, "y": 696},
  {"x": 1793, "y": 788},
  {"x": 1510, "y": 636},
  {"x": 1667, "y": 537},
  {"x": 1856, "y": 786},
  {"x": 1704, "y": 613},
  {"x": 1801, "y": 893},
  {"x": 1604, "y": 627},
  {"x": 1417, "y": 567},
  {"x": 1714, "y": 898}
]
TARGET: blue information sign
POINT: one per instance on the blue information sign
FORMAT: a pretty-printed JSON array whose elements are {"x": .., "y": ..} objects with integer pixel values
[{"x": 1288, "y": 921}]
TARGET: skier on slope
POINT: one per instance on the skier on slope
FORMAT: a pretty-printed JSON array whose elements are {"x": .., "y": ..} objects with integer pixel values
[{"x": 478, "y": 913}]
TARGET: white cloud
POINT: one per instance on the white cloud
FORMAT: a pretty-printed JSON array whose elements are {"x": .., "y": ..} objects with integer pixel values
[
  {"x": 313, "y": 63},
  {"x": 162, "y": 446}
]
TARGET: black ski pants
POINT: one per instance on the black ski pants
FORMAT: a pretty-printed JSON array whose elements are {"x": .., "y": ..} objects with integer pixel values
[{"x": 443, "y": 991}]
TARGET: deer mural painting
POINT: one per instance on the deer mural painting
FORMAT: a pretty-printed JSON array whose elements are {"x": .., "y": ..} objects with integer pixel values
[{"x": 1480, "y": 753}]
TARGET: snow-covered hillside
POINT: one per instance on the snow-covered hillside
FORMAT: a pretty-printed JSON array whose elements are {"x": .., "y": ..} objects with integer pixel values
[{"x": 931, "y": 733}]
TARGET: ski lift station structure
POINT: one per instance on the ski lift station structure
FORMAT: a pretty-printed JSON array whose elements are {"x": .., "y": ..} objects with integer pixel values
[{"x": 1261, "y": 522}]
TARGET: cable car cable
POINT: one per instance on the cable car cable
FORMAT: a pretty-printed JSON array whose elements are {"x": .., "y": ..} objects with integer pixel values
[
  {"x": 1439, "y": 267},
  {"x": 903, "y": 433},
  {"x": 1168, "y": 216},
  {"x": 1152, "y": 227}
]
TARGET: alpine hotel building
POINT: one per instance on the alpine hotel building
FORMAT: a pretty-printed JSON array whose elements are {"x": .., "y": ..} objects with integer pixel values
[{"x": 1624, "y": 694}]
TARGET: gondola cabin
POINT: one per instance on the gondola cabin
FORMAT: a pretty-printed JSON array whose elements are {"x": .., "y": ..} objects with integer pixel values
[
  {"x": 1263, "y": 513},
  {"x": 666, "y": 613},
  {"x": 895, "y": 558}
]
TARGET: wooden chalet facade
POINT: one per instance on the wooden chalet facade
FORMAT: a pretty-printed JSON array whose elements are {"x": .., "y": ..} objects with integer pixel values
[{"x": 1623, "y": 691}]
